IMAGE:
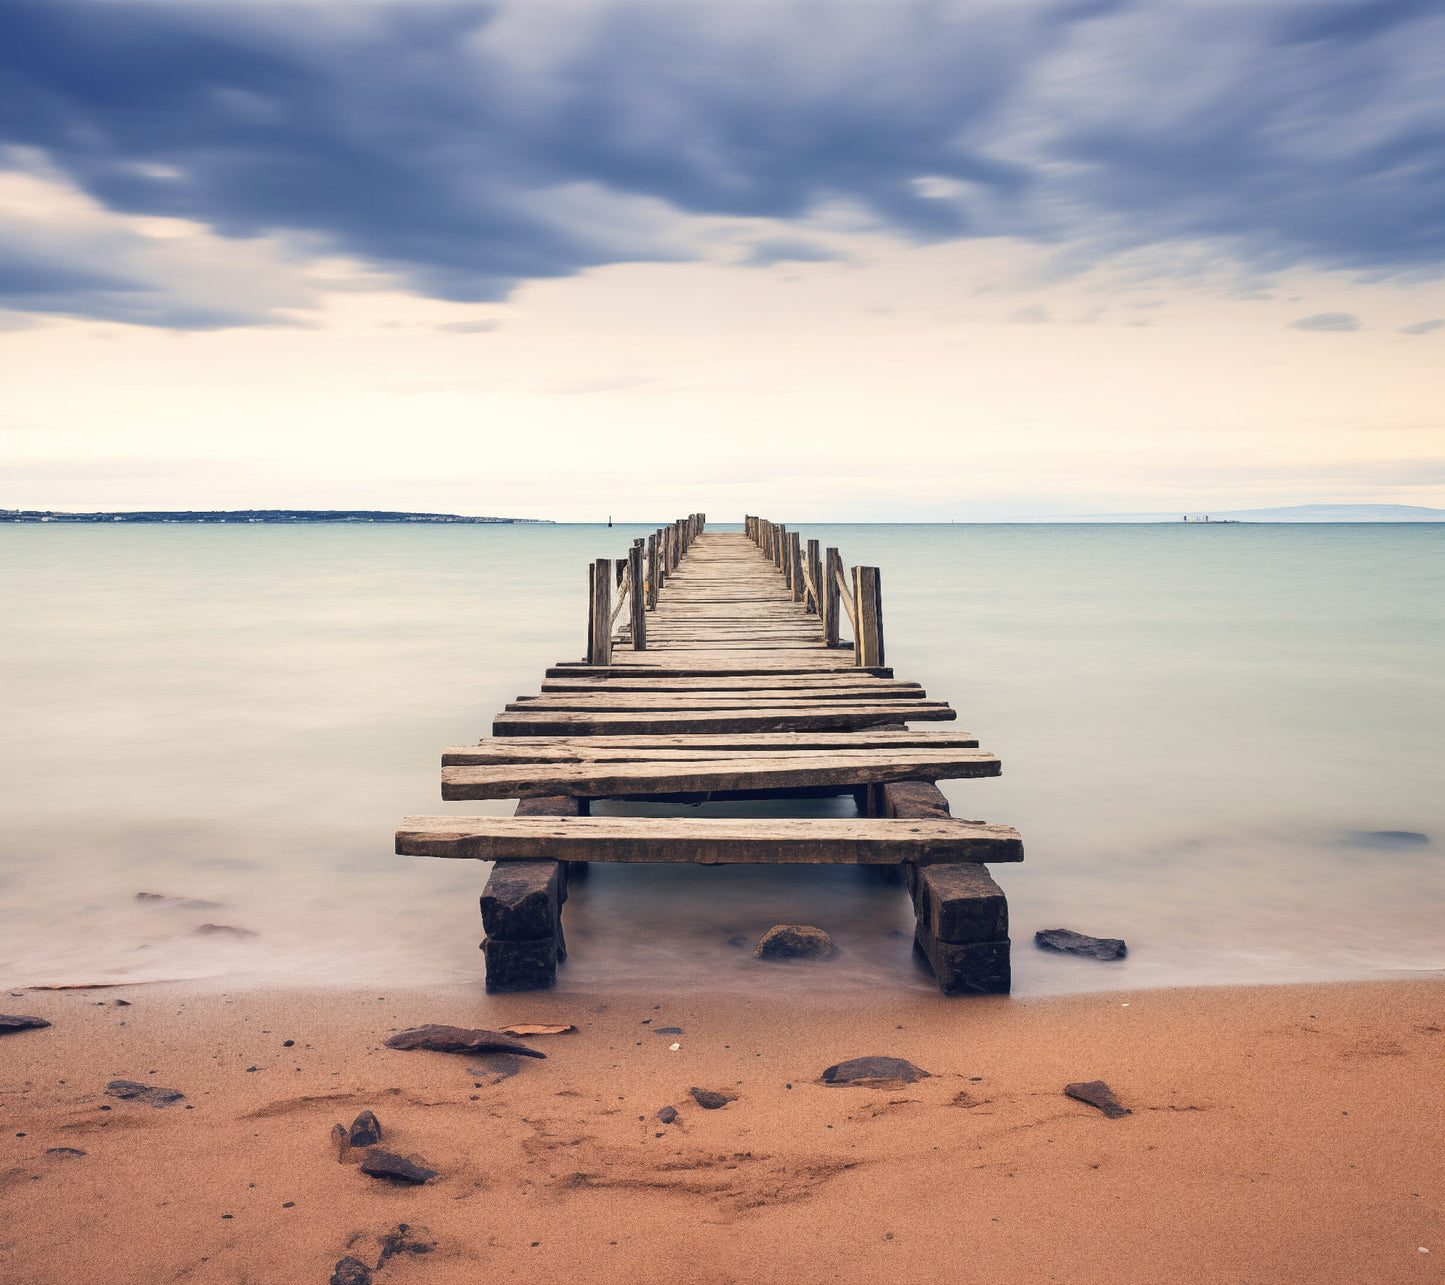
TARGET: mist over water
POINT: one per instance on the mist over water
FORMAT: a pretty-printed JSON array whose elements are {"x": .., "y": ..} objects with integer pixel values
[{"x": 1192, "y": 721}]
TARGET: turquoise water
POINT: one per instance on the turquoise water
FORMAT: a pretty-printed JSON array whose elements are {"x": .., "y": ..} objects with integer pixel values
[{"x": 1191, "y": 719}]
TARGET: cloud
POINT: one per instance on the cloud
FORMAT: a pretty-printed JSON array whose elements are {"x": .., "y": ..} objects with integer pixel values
[
  {"x": 469, "y": 327},
  {"x": 1031, "y": 316},
  {"x": 463, "y": 146},
  {"x": 789, "y": 250},
  {"x": 1424, "y": 327},
  {"x": 1327, "y": 321}
]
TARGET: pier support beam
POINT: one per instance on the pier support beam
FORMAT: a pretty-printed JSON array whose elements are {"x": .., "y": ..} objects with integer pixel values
[
  {"x": 962, "y": 930},
  {"x": 522, "y": 912}
]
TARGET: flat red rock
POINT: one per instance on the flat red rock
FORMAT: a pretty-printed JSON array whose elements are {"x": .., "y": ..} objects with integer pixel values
[{"x": 458, "y": 1039}]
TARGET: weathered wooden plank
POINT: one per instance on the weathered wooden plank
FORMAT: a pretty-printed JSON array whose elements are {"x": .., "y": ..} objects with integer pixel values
[
  {"x": 725, "y": 667},
  {"x": 765, "y": 772},
  {"x": 707, "y": 841},
  {"x": 868, "y": 590},
  {"x": 843, "y": 680},
  {"x": 908, "y": 704},
  {"x": 610, "y": 722},
  {"x": 563, "y": 749}
]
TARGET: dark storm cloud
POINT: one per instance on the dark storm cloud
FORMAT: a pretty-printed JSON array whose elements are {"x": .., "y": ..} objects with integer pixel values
[{"x": 467, "y": 146}]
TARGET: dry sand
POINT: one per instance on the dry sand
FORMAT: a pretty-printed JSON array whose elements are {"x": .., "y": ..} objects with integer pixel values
[{"x": 1279, "y": 1134}]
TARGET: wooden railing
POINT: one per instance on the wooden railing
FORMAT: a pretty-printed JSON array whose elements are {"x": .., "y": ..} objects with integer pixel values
[
  {"x": 816, "y": 580},
  {"x": 636, "y": 578}
]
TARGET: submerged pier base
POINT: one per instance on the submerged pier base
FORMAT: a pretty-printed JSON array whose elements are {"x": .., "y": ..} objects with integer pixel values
[
  {"x": 962, "y": 930},
  {"x": 522, "y": 911}
]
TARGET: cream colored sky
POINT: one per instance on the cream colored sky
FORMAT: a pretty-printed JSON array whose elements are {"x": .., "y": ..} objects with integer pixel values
[{"x": 969, "y": 380}]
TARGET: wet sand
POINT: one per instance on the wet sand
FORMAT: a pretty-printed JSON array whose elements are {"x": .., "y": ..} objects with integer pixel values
[{"x": 1286, "y": 1134}]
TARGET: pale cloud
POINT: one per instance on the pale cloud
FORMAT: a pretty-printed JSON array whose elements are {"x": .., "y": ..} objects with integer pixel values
[
  {"x": 1424, "y": 327},
  {"x": 1327, "y": 321}
]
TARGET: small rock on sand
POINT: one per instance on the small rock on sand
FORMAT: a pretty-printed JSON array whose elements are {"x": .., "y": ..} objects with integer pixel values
[
  {"x": 1069, "y": 942},
  {"x": 14, "y": 1022},
  {"x": 794, "y": 941},
  {"x": 458, "y": 1039},
  {"x": 669, "y": 1114},
  {"x": 223, "y": 930},
  {"x": 63, "y": 1151},
  {"x": 351, "y": 1271},
  {"x": 667, "y": 1030},
  {"x": 710, "y": 1100},
  {"x": 133, "y": 1090},
  {"x": 1098, "y": 1094},
  {"x": 873, "y": 1072},
  {"x": 412, "y": 1170},
  {"x": 738, "y": 942},
  {"x": 365, "y": 1130}
]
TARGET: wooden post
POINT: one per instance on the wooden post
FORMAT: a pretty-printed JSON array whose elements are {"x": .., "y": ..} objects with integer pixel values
[
  {"x": 652, "y": 572},
  {"x": 832, "y": 569},
  {"x": 795, "y": 566},
  {"x": 780, "y": 544},
  {"x": 868, "y": 604},
  {"x": 599, "y": 651},
  {"x": 677, "y": 549},
  {"x": 815, "y": 574},
  {"x": 637, "y": 599}
]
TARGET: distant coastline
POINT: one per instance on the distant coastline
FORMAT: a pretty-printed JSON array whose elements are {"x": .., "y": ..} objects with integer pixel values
[{"x": 285, "y": 516}]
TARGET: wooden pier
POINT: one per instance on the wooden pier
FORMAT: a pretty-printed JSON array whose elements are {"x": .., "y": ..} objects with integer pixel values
[{"x": 716, "y": 667}]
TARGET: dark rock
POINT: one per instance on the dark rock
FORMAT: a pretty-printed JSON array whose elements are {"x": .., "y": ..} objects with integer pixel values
[
  {"x": 1072, "y": 943},
  {"x": 14, "y": 1022},
  {"x": 739, "y": 942},
  {"x": 458, "y": 1039},
  {"x": 1385, "y": 840},
  {"x": 873, "y": 1072},
  {"x": 794, "y": 941},
  {"x": 667, "y": 1030},
  {"x": 136, "y": 1091},
  {"x": 412, "y": 1170},
  {"x": 669, "y": 1114},
  {"x": 351, "y": 1271},
  {"x": 63, "y": 1151},
  {"x": 709, "y": 1100},
  {"x": 1098, "y": 1094},
  {"x": 223, "y": 930},
  {"x": 404, "y": 1239},
  {"x": 365, "y": 1131}
]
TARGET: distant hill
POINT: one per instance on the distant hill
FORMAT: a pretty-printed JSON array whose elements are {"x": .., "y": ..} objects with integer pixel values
[
  {"x": 287, "y": 516},
  {"x": 1287, "y": 513}
]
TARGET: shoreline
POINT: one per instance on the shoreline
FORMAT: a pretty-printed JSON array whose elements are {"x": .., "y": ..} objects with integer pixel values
[{"x": 1284, "y": 1133}]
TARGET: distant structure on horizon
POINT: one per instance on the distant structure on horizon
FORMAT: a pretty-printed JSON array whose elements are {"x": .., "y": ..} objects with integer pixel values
[
  {"x": 1214, "y": 521},
  {"x": 260, "y": 515}
]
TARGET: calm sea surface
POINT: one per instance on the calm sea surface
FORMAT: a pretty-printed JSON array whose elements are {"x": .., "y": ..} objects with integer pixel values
[{"x": 1194, "y": 721}]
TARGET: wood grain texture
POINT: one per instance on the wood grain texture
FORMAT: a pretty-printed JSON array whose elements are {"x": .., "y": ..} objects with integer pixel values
[
  {"x": 758, "y": 772},
  {"x": 667, "y": 840}
]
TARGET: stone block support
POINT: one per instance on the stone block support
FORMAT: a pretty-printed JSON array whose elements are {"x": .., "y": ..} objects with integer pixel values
[
  {"x": 522, "y": 912},
  {"x": 962, "y": 929}
]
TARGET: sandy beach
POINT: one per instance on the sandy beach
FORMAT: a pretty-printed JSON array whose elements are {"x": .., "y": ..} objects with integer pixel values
[{"x": 1286, "y": 1134}]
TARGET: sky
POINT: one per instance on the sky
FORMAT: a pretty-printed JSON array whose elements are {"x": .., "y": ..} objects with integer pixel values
[{"x": 814, "y": 259}]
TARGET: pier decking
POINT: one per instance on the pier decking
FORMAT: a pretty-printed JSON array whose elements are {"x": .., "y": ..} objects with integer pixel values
[{"x": 727, "y": 679}]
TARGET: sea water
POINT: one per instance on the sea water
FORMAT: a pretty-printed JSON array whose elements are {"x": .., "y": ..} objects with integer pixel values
[{"x": 1201, "y": 729}]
